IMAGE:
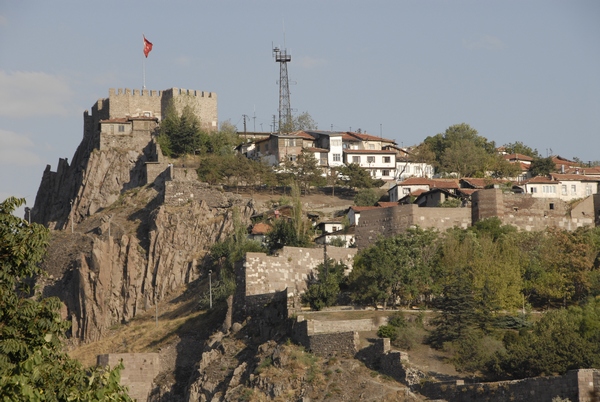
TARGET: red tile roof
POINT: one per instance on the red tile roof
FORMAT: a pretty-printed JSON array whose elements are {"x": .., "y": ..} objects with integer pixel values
[
  {"x": 572, "y": 177},
  {"x": 369, "y": 151},
  {"x": 261, "y": 228},
  {"x": 519, "y": 157}
]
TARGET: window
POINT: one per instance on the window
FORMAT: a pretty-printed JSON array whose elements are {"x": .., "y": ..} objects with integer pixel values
[
  {"x": 588, "y": 189},
  {"x": 334, "y": 228},
  {"x": 573, "y": 189},
  {"x": 407, "y": 170},
  {"x": 336, "y": 143},
  {"x": 266, "y": 146},
  {"x": 291, "y": 158},
  {"x": 417, "y": 170},
  {"x": 370, "y": 159},
  {"x": 387, "y": 159},
  {"x": 356, "y": 159},
  {"x": 289, "y": 142},
  {"x": 563, "y": 189},
  {"x": 533, "y": 190},
  {"x": 121, "y": 128},
  {"x": 551, "y": 206},
  {"x": 323, "y": 160},
  {"x": 371, "y": 146},
  {"x": 385, "y": 172},
  {"x": 337, "y": 157},
  {"x": 406, "y": 191},
  {"x": 549, "y": 189}
]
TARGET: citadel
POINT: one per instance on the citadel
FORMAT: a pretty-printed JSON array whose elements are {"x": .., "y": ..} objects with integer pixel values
[{"x": 123, "y": 271}]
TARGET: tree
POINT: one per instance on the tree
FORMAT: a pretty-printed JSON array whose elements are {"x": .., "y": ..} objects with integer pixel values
[
  {"x": 542, "y": 166},
  {"x": 519, "y": 148},
  {"x": 394, "y": 269},
  {"x": 324, "y": 287},
  {"x": 33, "y": 366},
  {"x": 181, "y": 134},
  {"x": 354, "y": 176},
  {"x": 366, "y": 197},
  {"x": 304, "y": 121},
  {"x": 305, "y": 171},
  {"x": 460, "y": 150}
]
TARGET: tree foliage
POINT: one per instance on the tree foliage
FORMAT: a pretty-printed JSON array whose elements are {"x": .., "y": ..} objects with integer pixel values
[
  {"x": 460, "y": 150},
  {"x": 542, "y": 166},
  {"x": 366, "y": 197},
  {"x": 394, "y": 269},
  {"x": 354, "y": 176},
  {"x": 562, "y": 340},
  {"x": 33, "y": 366},
  {"x": 324, "y": 288},
  {"x": 519, "y": 148}
]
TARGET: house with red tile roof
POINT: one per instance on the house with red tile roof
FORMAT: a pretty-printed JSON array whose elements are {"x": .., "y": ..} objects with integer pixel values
[
  {"x": 409, "y": 186},
  {"x": 566, "y": 187}
]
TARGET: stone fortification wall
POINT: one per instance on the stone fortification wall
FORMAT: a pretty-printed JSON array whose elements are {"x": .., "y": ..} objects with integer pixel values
[
  {"x": 529, "y": 213},
  {"x": 138, "y": 374},
  {"x": 339, "y": 344},
  {"x": 576, "y": 386},
  {"x": 137, "y": 139},
  {"x": 387, "y": 222},
  {"x": 124, "y": 102},
  {"x": 520, "y": 210},
  {"x": 290, "y": 269},
  {"x": 331, "y": 337}
]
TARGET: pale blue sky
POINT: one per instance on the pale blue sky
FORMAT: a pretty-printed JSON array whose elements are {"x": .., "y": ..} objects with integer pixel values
[{"x": 514, "y": 70}]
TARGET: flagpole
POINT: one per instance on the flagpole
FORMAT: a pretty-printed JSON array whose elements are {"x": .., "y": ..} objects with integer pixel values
[{"x": 144, "y": 73}]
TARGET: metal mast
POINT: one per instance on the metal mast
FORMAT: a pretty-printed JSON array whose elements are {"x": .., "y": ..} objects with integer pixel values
[{"x": 285, "y": 111}]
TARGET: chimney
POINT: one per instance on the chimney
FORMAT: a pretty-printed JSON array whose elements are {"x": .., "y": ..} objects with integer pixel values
[
  {"x": 562, "y": 168},
  {"x": 576, "y": 170}
]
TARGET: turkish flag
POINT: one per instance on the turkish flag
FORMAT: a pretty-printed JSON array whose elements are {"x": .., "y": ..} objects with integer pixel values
[{"x": 147, "y": 46}]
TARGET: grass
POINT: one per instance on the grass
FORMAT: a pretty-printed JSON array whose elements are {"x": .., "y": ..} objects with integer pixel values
[{"x": 143, "y": 335}]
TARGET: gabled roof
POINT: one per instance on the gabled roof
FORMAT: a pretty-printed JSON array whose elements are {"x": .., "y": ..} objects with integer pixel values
[
  {"x": 261, "y": 228},
  {"x": 540, "y": 180},
  {"x": 572, "y": 177},
  {"x": 387, "y": 204},
  {"x": 313, "y": 149},
  {"x": 517, "y": 157},
  {"x": 477, "y": 182},
  {"x": 369, "y": 151},
  {"x": 351, "y": 136}
]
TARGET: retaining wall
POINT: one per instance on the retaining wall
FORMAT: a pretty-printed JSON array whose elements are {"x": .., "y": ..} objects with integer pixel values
[{"x": 138, "y": 374}]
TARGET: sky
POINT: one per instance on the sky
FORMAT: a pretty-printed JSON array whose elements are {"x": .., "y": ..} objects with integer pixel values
[{"x": 515, "y": 70}]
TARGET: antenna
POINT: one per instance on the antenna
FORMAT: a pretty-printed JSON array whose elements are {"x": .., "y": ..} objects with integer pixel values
[{"x": 285, "y": 111}]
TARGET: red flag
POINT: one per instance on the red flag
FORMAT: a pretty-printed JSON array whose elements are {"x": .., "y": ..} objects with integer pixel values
[{"x": 147, "y": 46}]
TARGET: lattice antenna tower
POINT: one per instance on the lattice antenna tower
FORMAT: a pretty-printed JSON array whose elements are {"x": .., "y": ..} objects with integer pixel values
[{"x": 285, "y": 110}]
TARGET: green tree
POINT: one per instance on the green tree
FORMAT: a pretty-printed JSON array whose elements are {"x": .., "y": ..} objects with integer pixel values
[
  {"x": 304, "y": 121},
  {"x": 561, "y": 340},
  {"x": 394, "y": 268},
  {"x": 366, "y": 197},
  {"x": 324, "y": 287},
  {"x": 519, "y": 148},
  {"x": 542, "y": 166},
  {"x": 461, "y": 150},
  {"x": 305, "y": 171},
  {"x": 181, "y": 134},
  {"x": 33, "y": 366},
  {"x": 354, "y": 176}
]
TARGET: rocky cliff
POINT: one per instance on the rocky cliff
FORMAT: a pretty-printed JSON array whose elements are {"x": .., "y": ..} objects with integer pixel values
[{"x": 117, "y": 247}]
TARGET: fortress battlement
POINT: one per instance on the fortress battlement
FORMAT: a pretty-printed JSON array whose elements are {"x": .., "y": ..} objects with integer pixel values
[{"x": 127, "y": 102}]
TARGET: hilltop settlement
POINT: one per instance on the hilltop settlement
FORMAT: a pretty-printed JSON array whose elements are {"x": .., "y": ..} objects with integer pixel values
[{"x": 306, "y": 264}]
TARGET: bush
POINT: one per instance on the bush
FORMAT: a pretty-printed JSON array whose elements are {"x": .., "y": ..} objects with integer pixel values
[{"x": 388, "y": 331}]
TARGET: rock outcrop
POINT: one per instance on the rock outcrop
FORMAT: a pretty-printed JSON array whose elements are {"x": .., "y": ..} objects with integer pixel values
[{"x": 118, "y": 245}]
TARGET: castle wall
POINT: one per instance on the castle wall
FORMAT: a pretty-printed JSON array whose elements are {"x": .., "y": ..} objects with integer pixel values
[
  {"x": 576, "y": 386},
  {"x": 529, "y": 213},
  {"x": 520, "y": 210},
  {"x": 391, "y": 221},
  {"x": 138, "y": 374},
  {"x": 290, "y": 269}
]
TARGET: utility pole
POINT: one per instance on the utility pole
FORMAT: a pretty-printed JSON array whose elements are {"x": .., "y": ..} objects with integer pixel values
[{"x": 210, "y": 288}]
